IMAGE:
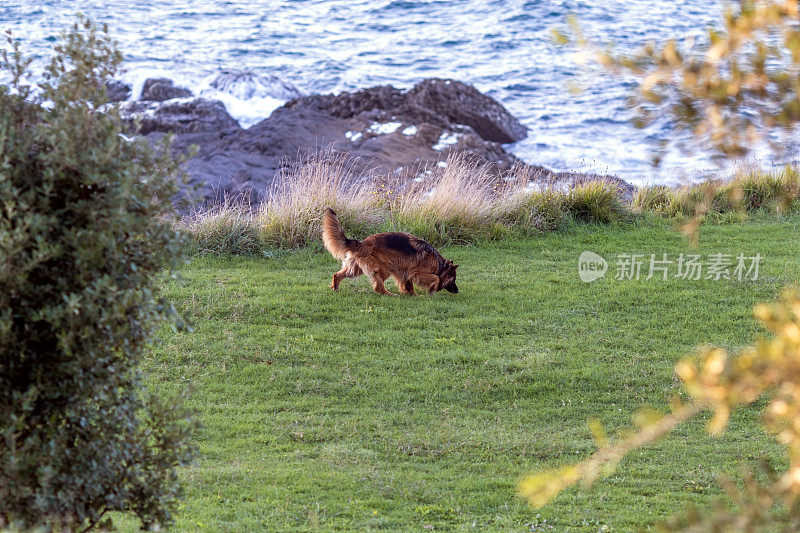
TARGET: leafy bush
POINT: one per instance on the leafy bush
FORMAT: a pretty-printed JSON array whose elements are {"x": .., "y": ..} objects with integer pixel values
[{"x": 83, "y": 240}]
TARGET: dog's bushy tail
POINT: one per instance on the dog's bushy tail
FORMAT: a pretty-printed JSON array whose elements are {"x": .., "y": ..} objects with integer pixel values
[{"x": 333, "y": 236}]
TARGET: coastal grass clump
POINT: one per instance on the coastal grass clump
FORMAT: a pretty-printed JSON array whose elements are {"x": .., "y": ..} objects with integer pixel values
[
  {"x": 534, "y": 211},
  {"x": 651, "y": 199},
  {"x": 291, "y": 216},
  {"x": 462, "y": 201},
  {"x": 225, "y": 228},
  {"x": 458, "y": 201},
  {"x": 595, "y": 201},
  {"x": 455, "y": 205},
  {"x": 775, "y": 192},
  {"x": 747, "y": 192}
]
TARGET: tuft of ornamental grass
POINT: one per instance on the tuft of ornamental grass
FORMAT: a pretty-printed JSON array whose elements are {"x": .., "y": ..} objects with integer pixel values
[
  {"x": 452, "y": 205},
  {"x": 461, "y": 201},
  {"x": 223, "y": 229},
  {"x": 534, "y": 211},
  {"x": 777, "y": 191},
  {"x": 652, "y": 199},
  {"x": 595, "y": 201}
]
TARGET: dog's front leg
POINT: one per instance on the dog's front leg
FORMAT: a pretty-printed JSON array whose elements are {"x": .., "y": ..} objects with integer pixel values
[
  {"x": 404, "y": 285},
  {"x": 378, "y": 281},
  {"x": 410, "y": 288},
  {"x": 429, "y": 281}
]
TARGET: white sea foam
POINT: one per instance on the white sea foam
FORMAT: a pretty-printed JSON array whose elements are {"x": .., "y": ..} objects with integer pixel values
[
  {"x": 249, "y": 101},
  {"x": 410, "y": 130}
]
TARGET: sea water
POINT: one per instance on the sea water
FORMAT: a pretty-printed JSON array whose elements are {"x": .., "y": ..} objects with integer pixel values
[{"x": 503, "y": 47}]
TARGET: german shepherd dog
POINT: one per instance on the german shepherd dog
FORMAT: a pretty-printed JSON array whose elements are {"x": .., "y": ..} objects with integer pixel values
[{"x": 407, "y": 259}]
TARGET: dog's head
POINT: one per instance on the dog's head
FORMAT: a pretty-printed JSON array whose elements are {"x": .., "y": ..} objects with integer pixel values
[{"x": 447, "y": 277}]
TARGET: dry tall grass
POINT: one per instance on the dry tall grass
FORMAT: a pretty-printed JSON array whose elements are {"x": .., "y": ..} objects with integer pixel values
[{"x": 457, "y": 201}]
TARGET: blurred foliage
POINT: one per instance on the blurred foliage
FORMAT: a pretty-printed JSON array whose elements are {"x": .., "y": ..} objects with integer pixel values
[
  {"x": 83, "y": 240},
  {"x": 740, "y": 80},
  {"x": 743, "y": 80}
]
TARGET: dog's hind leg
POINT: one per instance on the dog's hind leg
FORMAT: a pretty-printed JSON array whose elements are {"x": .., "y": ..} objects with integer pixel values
[
  {"x": 350, "y": 269},
  {"x": 337, "y": 278}
]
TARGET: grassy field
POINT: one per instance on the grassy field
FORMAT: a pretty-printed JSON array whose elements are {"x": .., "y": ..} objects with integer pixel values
[{"x": 351, "y": 410}]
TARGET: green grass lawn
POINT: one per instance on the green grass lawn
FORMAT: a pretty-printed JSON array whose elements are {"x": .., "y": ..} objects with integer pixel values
[{"x": 352, "y": 410}]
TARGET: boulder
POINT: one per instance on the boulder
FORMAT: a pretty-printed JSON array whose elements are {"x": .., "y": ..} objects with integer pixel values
[
  {"x": 245, "y": 84},
  {"x": 444, "y": 103},
  {"x": 182, "y": 117},
  {"x": 161, "y": 89},
  {"x": 462, "y": 103},
  {"x": 117, "y": 91}
]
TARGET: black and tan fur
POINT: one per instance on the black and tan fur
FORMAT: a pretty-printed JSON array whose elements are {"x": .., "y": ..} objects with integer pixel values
[{"x": 407, "y": 259}]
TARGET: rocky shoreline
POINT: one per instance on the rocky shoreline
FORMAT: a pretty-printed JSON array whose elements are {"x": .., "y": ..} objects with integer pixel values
[{"x": 380, "y": 129}]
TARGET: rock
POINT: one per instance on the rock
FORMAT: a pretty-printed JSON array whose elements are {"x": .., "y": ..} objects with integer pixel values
[
  {"x": 183, "y": 117},
  {"x": 245, "y": 84},
  {"x": 380, "y": 129},
  {"x": 161, "y": 89},
  {"x": 441, "y": 102},
  {"x": 463, "y": 104},
  {"x": 117, "y": 91}
]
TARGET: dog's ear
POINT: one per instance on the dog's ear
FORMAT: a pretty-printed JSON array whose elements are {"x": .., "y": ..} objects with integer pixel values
[{"x": 455, "y": 267}]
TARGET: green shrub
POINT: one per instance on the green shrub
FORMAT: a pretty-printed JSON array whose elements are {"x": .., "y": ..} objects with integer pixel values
[{"x": 83, "y": 239}]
